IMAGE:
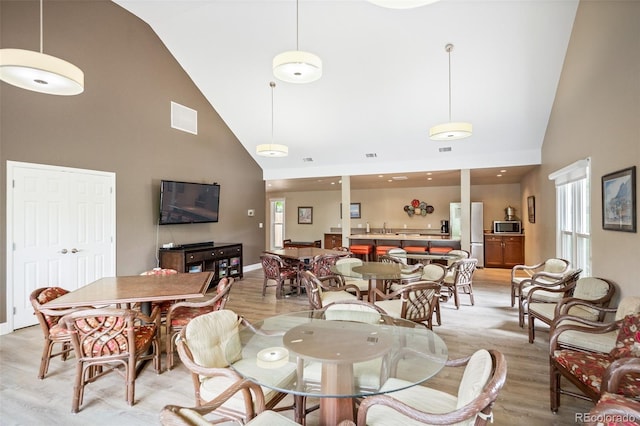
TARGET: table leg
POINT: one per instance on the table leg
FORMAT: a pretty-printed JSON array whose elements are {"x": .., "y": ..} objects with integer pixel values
[
  {"x": 374, "y": 283},
  {"x": 336, "y": 379}
]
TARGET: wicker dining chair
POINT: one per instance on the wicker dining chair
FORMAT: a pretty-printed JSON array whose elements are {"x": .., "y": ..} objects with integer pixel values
[
  {"x": 53, "y": 332},
  {"x": 111, "y": 340},
  {"x": 179, "y": 314},
  {"x": 277, "y": 271}
]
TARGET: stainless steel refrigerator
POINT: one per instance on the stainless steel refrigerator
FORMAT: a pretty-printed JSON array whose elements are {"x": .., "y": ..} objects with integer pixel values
[{"x": 477, "y": 229}]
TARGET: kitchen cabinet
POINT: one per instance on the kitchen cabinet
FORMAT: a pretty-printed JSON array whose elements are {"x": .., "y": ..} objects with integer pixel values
[
  {"x": 503, "y": 251},
  {"x": 332, "y": 241},
  {"x": 224, "y": 259}
]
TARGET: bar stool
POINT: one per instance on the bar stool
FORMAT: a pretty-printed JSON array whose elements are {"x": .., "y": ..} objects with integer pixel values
[
  {"x": 361, "y": 250},
  {"x": 382, "y": 250}
]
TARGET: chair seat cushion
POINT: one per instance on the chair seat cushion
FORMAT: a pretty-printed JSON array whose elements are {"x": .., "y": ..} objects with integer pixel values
[
  {"x": 361, "y": 249},
  {"x": 589, "y": 368},
  {"x": 547, "y": 310},
  {"x": 392, "y": 307},
  {"x": 440, "y": 250},
  {"x": 271, "y": 418},
  {"x": 335, "y": 296},
  {"x": 602, "y": 342},
  {"x": 542, "y": 295},
  {"x": 181, "y": 316},
  {"x": 420, "y": 397},
  {"x": 58, "y": 332},
  {"x": 211, "y": 387},
  {"x": 415, "y": 249},
  {"x": 363, "y": 285}
]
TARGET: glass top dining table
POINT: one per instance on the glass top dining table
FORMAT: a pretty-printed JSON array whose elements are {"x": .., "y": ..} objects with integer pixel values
[{"x": 337, "y": 355}]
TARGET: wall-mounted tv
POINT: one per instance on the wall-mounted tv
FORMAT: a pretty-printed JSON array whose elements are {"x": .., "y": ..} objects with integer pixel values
[{"x": 186, "y": 202}]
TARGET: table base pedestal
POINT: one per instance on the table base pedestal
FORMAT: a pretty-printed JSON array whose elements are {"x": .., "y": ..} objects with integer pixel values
[{"x": 336, "y": 379}]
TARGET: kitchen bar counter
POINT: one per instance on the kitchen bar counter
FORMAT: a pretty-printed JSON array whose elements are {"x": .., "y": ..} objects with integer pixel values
[{"x": 402, "y": 236}]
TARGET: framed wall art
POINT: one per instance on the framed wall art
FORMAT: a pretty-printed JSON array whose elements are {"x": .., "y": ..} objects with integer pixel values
[
  {"x": 619, "y": 200},
  {"x": 305, "y": 215},
  {"x": 531, "y": 208},
  {"x": 354, "y": 211}
]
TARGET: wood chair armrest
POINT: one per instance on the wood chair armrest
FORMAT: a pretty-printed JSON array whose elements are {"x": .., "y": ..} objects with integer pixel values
[
  {"x": 261, "y": 332},
  {"x": 567, "y": 303},
  {"x": 549, "y": 289},
  {"x": 170, "y": 414},
  {"x": 617, "y": 370}
]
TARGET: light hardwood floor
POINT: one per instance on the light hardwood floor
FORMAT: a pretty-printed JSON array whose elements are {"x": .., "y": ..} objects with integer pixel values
[{"x": 491, "y": 323}]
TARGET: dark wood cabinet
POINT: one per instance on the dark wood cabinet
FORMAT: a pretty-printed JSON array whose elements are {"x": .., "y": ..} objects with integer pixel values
[
  {"x": 332, "y": 241},
  {"x": 503, "y": 251},
  {"x": 223, "y": 259}
]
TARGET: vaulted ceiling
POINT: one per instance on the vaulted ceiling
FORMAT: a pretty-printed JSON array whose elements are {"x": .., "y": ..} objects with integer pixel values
[{"x": 384, "y": 83}]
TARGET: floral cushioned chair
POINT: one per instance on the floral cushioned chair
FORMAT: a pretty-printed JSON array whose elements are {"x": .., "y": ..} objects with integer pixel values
[
  {"x": 114, "y": 338},
  {"x": 49, "y": 323},
  {"x": 588, "y": 370}
]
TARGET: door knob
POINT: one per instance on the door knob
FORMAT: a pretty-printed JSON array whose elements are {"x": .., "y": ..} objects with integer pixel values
[{"x": 63, "y": 251}]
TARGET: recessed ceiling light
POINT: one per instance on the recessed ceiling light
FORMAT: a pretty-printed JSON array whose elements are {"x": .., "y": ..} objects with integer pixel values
[
  {"x": 333, "y": 183},
  {"x": 503, "y": 171},
  {"x": 399, "y": 178},
  {"x": 380, "y": 176},
  {"x": 499, "y": 175},
  {"x": 389, "y": 180},
  {"x": 429, "y": 178},
  {"x": 340, "y": 182},
  {"x": 429, "y": 173}
]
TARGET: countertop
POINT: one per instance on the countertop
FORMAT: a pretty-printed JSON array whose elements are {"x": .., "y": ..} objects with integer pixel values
[{"x": 401, "y": 236}]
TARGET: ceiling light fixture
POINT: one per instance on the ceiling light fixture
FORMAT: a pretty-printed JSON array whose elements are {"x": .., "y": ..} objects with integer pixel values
[
  {"x": 297, "y": 66},
  {"x": 401, "y": 4},
  {"x": 272, "y": 149},
  {"x": 450, "y": 130},
  {"x": 40, "y": 72}
]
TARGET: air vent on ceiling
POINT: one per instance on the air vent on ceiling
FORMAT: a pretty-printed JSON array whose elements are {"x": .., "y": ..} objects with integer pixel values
[
  {"x": 183, "y": 118},
  {"x": 445, "y": 149},
  {"x": 371, "y": 155},
  {"x": 307, "y": 159}
]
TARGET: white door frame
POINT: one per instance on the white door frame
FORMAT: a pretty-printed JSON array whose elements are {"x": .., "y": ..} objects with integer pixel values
[{"x": 7, "y": 326}]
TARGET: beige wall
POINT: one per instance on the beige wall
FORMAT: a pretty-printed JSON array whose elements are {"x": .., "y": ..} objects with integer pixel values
[
  {"x": 387, "y": 205},
  {"x": 596, "y": 114},
  {"x": 121, "y": 124}
]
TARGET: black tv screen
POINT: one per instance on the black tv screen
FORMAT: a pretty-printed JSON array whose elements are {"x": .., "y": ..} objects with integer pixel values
[{"x": 185, "y": 202}]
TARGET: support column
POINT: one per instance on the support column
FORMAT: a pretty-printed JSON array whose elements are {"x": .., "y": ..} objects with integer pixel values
[
  {"x": 465, "y": 209},
  {"x": 346, "y": 216}
]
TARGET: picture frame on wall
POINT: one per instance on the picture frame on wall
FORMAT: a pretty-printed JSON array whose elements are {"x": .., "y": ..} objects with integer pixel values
[
  {"x": 531, "y": 208},
  {"x": 354, "y": 211},
  {"x": 305, "y": 215},
  {"x": 619, "y": 200}
]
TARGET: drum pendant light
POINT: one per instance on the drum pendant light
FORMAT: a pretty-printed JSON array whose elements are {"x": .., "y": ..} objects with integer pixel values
[
  {"x": 40, "y": 72},
  {"x": 272, "y": 149},
  {"x": 297, "y": 66},
  {"x": 451, "y": 130}
]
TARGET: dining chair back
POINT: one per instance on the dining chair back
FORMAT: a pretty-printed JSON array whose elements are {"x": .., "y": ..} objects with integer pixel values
[
  {"x": 320, "y": 294},
  {"x": 415, "y": 302},
  {"x": 462, "y": 280},
  {"x": 276, "y": 272},
  {"x": 109, "y": 339},
  {"x": 484, "y": 376}
]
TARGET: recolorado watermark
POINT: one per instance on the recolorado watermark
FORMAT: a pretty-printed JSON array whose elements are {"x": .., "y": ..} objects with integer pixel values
[{"x": 605, "y": 418}]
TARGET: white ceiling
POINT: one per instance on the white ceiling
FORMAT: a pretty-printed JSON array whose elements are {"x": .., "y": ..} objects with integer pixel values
[{"x": 384, "y": 83}]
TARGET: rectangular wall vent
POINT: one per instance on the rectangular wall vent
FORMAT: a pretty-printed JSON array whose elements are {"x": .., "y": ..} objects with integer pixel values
[
  {"x": 183, "y": 118},
  {"x": 307, "y": 159},
  {"x": 445, "y": 149},
  {"x": 371, "y": 155}
]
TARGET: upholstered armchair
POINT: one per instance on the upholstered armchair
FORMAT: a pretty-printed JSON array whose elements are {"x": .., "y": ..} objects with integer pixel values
[
  {"x": 545, "y": 272},
  {"x": 484, "y": 375},
  {"x": 549, "y": 290},
  {"x": 586, "y": 341},
  {"x": 618, "y": 409},
  {"x": 595, "y": 291},
  {"x": 204, "y": 346},
  {"x": 595, "y": 372}
]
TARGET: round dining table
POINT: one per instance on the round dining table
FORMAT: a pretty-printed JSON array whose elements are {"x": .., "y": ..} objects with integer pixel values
[{"x": 337, "y": 355}]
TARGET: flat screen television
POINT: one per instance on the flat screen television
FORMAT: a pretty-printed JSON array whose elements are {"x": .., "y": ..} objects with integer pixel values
[{"x": 186, "y": 202}]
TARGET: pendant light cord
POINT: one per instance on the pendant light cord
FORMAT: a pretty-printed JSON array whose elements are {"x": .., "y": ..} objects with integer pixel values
[
  {"x": 272, "y": 84},
  {"x": 41, "y": 37},
  {"x": 297, "y": 24},
  {"x": 449, "y": 48}
]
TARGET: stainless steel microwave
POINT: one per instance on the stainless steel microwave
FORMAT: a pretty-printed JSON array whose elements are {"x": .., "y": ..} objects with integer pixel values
[{"x": 507, "y": 227}]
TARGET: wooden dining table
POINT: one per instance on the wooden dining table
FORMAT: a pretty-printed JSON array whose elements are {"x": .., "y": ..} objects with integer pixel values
[{"x": 142, "y": 289}]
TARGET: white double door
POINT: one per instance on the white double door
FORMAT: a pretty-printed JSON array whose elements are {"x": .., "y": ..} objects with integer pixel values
[{"x": 60, "y": 231}]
